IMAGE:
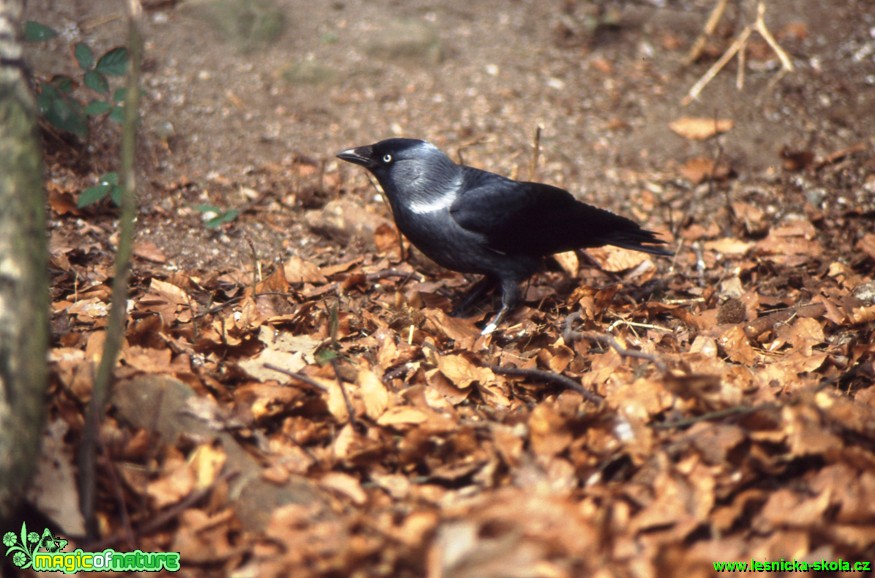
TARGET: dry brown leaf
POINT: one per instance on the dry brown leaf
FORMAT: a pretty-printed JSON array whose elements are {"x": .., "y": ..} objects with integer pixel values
[
  {"x": 336, "y": 400},
  {"x": 374, "y": 393},
  {"x": 462, "y": 331},
  {"x": 728, "y": 246},
  {"x": 735, "y": 343},
  {"x": 462, "y": 372},
  {"x": 386, "y": 239},
  {"x": 149, "y": 251},
  {"x": 345, "y": 484},
  {"x": 264, "y": 400},
  {"x": 298, "y": 270},
  {"x": 700, "y": 128},
  {"x": 549, "y": 431},
  {"x": 402, "y": 416},
  {"x": 207, "y": 462},
  {"x": 787, "y": 508},
  {"x": 806, "y": 434},
  {"x": 170, "y": 302},
  {"x": 176, "y": 482},
  {"x": 440, "y": 384},
  {"x": 867, "y": 245},
  {"x": 569, "y": 262},
  {"x": 700, "y": 169},
  {"x": 282, "y": 349},
  {"x": 396, "y": 485},
  {"x": 147, "y": 359},
  {"x": 616, "y": 259},
  {"x": 805, "y": 333},
  {"x": 88, "y": 310},
  {"x": 274, "y": 283}
]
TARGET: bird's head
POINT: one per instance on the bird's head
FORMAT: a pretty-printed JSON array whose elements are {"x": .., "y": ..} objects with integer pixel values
[{"x": 410, "y": 171}]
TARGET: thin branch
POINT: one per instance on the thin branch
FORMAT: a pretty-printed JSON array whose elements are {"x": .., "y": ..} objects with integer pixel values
[
  {"x": 760, "y": 26},
  {"x": 549, "y": 376},
  {"x": 711, "y": 416},
  {"x": 767, "y": 322},
  {"x": 295, "y": 375},
  {"x": 571, "y": 335},
  {"x": 118, "y": 309},
  {"x": 710, "y": 26},
  {"x": 715, "y": 69},
  {"x": 737, "y": 47}
]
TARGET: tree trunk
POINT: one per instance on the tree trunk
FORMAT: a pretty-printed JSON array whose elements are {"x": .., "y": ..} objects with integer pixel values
[{"x": 23, "y": 271}]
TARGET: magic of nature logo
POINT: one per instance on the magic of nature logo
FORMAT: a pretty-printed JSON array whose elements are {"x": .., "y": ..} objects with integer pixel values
[{"x": 44, "y": 553}]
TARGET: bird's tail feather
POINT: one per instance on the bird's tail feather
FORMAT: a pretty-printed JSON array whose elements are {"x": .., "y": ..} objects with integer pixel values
[{"x": 640, "y": 240}]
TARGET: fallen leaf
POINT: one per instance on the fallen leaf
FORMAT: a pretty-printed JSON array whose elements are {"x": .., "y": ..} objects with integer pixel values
[
  {"x": 700, "y": 128},
  {"x": 462, "y": 372},
  {"x": 149, "y": 251},
  {"x": 402, "y": 416},
  {"x": 298, "y": 270},
  {"x": 374, "y": 394},
  {"x": 346, "y": 485}
]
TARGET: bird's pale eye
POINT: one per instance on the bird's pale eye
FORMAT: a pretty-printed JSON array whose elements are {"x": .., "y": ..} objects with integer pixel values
[{"x": 387, "y": 158}]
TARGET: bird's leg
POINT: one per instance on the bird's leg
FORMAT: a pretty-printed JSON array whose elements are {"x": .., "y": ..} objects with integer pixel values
[
  {"x": 473, "y": 295},
  {"x": 510, "y": 296}
]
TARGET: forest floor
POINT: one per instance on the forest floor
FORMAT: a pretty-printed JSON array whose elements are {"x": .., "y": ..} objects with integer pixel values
[{"x": 721, "y": 405}]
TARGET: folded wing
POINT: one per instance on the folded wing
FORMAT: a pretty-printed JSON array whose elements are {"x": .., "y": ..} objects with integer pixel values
[{"x": 539, "y": 219}]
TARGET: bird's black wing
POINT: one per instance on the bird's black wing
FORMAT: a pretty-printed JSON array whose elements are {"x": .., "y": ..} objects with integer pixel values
[{"x": 539, "y": 219}]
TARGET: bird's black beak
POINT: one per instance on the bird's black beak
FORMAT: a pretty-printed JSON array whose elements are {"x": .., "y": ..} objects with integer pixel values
[{"x": 359, "y": 156}]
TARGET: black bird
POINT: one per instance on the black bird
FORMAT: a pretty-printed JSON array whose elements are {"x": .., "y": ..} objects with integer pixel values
[{"x": 473, "y": 221}]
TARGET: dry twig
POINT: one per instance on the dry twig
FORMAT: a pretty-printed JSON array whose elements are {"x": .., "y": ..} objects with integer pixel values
[
  {"x": 737, "y": 47},
  {"x": 549, "y": 376},
  {"x": 571, "y": 335}
]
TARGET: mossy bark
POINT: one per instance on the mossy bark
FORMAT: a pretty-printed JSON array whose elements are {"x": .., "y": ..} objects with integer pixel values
[{"x": 24, "y": 301}]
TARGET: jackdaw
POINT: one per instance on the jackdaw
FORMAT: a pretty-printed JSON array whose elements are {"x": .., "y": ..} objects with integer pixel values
[{"x": 473, "y": 221}]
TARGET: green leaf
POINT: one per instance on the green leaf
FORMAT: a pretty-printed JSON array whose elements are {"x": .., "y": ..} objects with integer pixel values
[
  {"x": 36, "y": 32},
  {"x": 326, "y": 355},
  {"x": 64, "y": 113},
  {"x": 97, "y": 107},
  {"x": 114, "y": 62},
  {"x": 120, "y": 94},
  {"x": 63, "y": 83},
  {"x": 215, "y": 216},
  {"x": 96, "y": 82},
  {"x": 45, "y": 98},
  {"x": 205, "y": 208},
  {"x": 92, "y": 195},
  {"x": 222, "y": 218},
  {"x": 108, "y": 185},
  {"x": 84, "y": 56},
  {"x": 118, "y": 114}
]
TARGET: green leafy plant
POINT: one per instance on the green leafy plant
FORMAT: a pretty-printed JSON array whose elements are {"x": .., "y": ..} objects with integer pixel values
[
  {"x": 57, "y": 98},
  {"x": 36, "y": 32},
  {"x": 215, "y": 216},
  {"x": 107, "y": 187}
]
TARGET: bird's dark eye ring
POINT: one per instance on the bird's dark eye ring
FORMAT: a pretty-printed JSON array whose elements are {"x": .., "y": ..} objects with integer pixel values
[{"x": 387, "y": 158}]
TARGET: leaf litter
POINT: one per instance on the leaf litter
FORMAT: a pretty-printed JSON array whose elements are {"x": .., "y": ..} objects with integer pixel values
[{"x": 742, "y": 427}]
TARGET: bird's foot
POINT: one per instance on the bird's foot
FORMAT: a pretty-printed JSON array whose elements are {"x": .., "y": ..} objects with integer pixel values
[{"x": 496, "y": 321}]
